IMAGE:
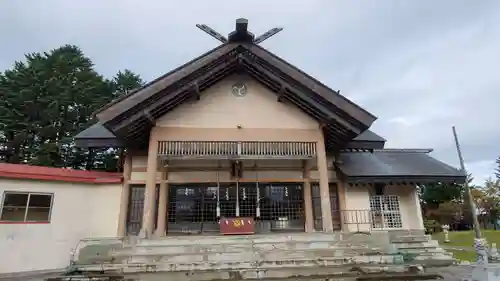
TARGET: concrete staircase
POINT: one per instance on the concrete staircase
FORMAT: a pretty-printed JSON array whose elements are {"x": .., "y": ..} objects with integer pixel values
[
  {"x": 417, "y": 247},
  {"x": 310, "y": 256}
]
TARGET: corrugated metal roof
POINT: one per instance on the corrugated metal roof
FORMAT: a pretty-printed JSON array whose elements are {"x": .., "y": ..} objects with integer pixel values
[{"x": 413, "y": 164}]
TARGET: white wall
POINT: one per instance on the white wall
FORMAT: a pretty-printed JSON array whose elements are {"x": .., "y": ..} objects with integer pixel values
[
  {"x": 357, "y": 204},
  {"x": 79, "y": 211},
  {"x": 358, "y": 198},
  {"x": 411, "y": 214},
  {"x": 219, "y": 108}
]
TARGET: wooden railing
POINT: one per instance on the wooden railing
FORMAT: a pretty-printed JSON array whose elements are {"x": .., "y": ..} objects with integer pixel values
[
  {"x": 236, "y": 150},
  {"x": 362, "y": 220}
]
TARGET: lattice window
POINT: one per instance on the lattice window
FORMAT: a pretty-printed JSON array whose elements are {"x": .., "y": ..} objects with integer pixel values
[{"x": 385, "y": 212}]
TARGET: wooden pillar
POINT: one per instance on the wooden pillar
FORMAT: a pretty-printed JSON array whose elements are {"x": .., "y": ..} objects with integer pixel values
[
  {"x": 150, "y": 192},
  {"x": 162, "y": 204},
  {"x": 342, "y": 206},
  {"x": 324, "y": 188},
  {"x": 124, "y": 200},
  {"x": 416, "y": 200},
  {"x": 308, "y": 207}
]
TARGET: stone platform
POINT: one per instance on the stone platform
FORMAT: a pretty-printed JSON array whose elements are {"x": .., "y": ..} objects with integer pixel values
[{"x": 282, "y": 256}]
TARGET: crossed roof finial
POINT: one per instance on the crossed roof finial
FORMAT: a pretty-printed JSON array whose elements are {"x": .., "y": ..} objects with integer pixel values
[{"x": 240, "y": 34}]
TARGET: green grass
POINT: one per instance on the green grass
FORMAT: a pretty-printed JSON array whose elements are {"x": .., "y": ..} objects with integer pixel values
[{"x": 466, "y": 239}]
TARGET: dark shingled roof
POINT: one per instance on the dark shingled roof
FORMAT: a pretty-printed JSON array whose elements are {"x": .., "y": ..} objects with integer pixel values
[
  {"x": 96, "y": 131},
  {"x": 367, "y": 140},
  {"x": 97, "y": 136},
  {"x": 369, "y": 136},
  {"x": 397, "y": 164}
]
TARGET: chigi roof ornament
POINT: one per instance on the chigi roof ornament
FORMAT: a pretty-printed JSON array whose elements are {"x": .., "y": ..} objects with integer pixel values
[{"x": 240, "y": 34}]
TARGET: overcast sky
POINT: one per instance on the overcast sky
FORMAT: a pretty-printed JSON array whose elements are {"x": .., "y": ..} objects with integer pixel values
[{"x": 420, "y": 66}]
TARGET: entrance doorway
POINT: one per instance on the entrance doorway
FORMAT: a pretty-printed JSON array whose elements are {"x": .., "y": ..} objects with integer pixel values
[{"x": 197, "y": 208}]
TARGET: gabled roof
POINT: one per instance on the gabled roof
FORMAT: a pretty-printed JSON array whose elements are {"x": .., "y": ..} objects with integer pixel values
[
  {"x": 392, "y": 165},
  {"x": 131, "y": 117},
  {"x": 367, "y": 140}
]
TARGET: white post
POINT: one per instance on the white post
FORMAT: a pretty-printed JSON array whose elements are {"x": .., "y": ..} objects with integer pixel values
[
  {"x": 482, "y": 270},
  {"x": 479, "y": 243},
  {"x": 446, "y": 233},
  {"x": 494, "y": 250}
]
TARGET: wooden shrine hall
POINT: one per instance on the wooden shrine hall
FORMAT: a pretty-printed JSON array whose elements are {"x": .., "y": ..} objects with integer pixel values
[{"x": 238, "y": 140}]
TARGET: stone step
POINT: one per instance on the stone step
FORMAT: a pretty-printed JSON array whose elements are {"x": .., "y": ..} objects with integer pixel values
[
  {"x": 138, "y": 264},
  {"x": 429, "y": 262},
  {"x": 410, "y": 239},
  {"x": 315, "y": 273},
  {"x": 423, "y": 251},
  {"x": 430, "y": 244},
  {"x": 237, "y": 239},
  {"x": 230, "y": 248},
  {"x": 157, "y": 254},
  {"x": 282, "y": 245}
]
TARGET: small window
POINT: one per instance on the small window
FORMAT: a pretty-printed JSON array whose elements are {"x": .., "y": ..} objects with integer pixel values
[{"x": 26, "y": 207}]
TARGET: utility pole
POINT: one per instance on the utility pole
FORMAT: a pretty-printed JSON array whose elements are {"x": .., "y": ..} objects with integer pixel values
[{"x": 478, "y": 243}]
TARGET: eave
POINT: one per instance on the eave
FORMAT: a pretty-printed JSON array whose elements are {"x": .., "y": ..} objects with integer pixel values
[
  {"x": 348, "y": 108},
  {"x": 97, "y": 136},
  {"x": 396, "y": 166},
  {"x": 129, "y": 100}
]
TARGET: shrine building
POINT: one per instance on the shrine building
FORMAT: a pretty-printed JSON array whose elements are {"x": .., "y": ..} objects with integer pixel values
[
  {"x": 238, "y": 132},
  {"x": 235, "y": 141}
]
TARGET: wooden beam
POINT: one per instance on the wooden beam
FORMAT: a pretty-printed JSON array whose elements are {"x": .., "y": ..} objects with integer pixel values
[
  {"x": 171, "y": 96},
  {"x": 151, "y": 89},
  {"x": 289, "y": 88},
  {"x": 333, "y": 128},
  {"x": 281, "y": 93},
  {"x": 330, "y": 95},
  {"x": 150, "y": 117},
  {"x": 196, "y": 90},
  {"x": 221, "y": 169}
]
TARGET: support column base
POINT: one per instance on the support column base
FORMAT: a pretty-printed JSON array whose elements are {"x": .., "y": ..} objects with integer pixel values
[
  {"x": 144, "y": 234},
  {"x": 159, "y": 234}
]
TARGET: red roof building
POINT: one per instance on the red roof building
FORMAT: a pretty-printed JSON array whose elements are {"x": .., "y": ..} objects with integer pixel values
[{"x": 20, "y": 171}]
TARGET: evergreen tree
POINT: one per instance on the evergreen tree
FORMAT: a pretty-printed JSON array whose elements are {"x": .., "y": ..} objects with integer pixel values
[
  {"x": 432, "y": 195},
  {"x": 122, "y": 83},
  {"x": 497, "y": 169},
  {"x": 46, "y": 100}
]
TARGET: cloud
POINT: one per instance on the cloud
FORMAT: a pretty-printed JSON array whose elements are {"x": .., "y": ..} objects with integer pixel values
[{"x": 421, "y": 66}]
